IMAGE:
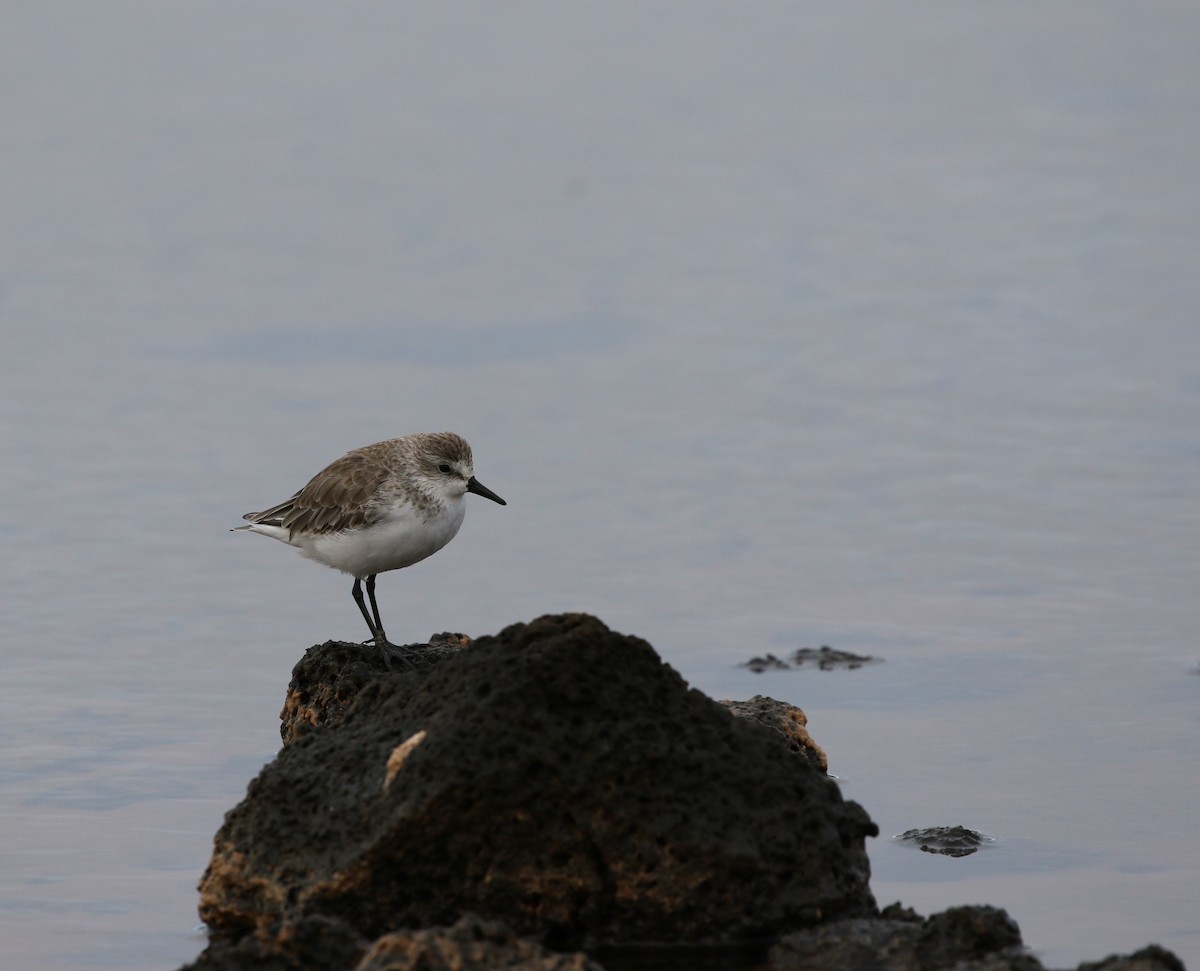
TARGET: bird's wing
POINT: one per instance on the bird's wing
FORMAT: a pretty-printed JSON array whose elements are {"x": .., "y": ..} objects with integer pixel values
[{"x": 336, "y": 498}]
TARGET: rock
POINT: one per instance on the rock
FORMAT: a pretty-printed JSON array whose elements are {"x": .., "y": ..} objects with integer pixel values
[
  {"x": 957, "y": 939},
  {"x": 558, "y": 777},
  {"x": 826, "y": 658},
  {"x": 310, "y": 942},
  {"x": 325, "y": 682},
  {"x": 945, "y": 840},
  {"x": 563, "y": 784},
  {"x": 329, "y": 677},
  {"x": 964, "y": 938},
  {"x": 470, "y": 944},
  {"x": 1152, "y": 958},
  {"x": 767, "y": 662},
  {"x": 788, "y": 720}
]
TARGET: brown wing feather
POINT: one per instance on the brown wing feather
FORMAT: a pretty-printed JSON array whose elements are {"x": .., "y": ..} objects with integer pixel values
[{"x": 336, "y": 498}]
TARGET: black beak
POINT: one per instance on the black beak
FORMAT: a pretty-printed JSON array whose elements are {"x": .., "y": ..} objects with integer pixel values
[{"x": 477, "y": 487}]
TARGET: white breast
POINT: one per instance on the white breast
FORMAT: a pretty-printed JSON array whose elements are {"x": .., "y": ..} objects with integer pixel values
[{"x": 397, "y": 541}]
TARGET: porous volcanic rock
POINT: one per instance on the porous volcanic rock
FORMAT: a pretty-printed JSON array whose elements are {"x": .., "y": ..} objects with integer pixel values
[
  {"x": 976, "y": 938},
  {"x": 559, "y": 777},
  {"x": 471, "y": 944},
  {"x": 327, "y": 679},
  {"x": 965, "y": 938},
  {"x": 325, "y": 682},
  {"x": 313, "y": 941},
  {"x": 787, "y": 720}
]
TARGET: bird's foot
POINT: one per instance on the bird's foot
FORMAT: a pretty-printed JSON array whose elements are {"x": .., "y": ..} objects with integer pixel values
[{"x": 389, "y": 652}]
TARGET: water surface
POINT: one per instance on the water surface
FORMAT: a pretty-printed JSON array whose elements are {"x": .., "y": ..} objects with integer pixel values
[{"x": 860, "y": 325}]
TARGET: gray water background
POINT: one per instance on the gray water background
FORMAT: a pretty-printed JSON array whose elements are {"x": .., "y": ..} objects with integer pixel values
[{"x": 780, "y": 324}]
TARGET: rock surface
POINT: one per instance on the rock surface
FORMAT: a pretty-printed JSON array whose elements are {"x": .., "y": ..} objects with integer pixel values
[
  {"x": 958, "y": 939},
  {"x": 788, "y": 720},
  {"x": 471, "y": 943},
  {"x": 327, "y": 942},
  {"x": 954, "y": 841},
  {"x": 557, "y": 785},
  {"x": 329, "y": 677},
  {"x": 964, "y": 938},
  {"x": 557, "y": 776}
]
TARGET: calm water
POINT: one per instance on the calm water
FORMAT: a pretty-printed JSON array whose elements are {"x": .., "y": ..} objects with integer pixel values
[{"x": 868, "y": 324}]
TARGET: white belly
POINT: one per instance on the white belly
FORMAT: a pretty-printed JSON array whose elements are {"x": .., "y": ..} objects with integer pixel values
[{"x": 390, "y": 544}]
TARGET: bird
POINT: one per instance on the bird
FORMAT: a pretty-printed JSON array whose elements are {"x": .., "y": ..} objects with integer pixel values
[{"x": 378, "y": 508}]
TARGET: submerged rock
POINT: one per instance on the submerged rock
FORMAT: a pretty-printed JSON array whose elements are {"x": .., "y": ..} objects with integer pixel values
[
  {"x": 825, "y": 657},
  {"x": 944, "y": 840}
]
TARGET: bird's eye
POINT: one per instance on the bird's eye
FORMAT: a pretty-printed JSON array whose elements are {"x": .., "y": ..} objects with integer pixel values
[{"x": 444, "y": 469}]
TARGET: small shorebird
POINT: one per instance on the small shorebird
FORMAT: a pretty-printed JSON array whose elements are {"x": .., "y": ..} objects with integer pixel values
[{"x": 381, "y": 507}]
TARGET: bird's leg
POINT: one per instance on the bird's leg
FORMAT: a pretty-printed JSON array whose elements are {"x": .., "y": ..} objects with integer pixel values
[
  {"x": 358, "y": 599},
  {"x": 386, "y": 647},
  {"x": 377, "y": 627}
]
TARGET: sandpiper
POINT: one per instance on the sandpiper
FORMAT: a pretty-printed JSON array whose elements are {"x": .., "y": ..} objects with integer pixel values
[{"x": 380, "y": 507}]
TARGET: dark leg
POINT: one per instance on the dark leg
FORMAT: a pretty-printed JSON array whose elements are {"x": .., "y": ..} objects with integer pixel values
[
  {"x": 375, "y": 625},
  {"x": 358, "y": 599},
  {"x": 380, "y": 637}
]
